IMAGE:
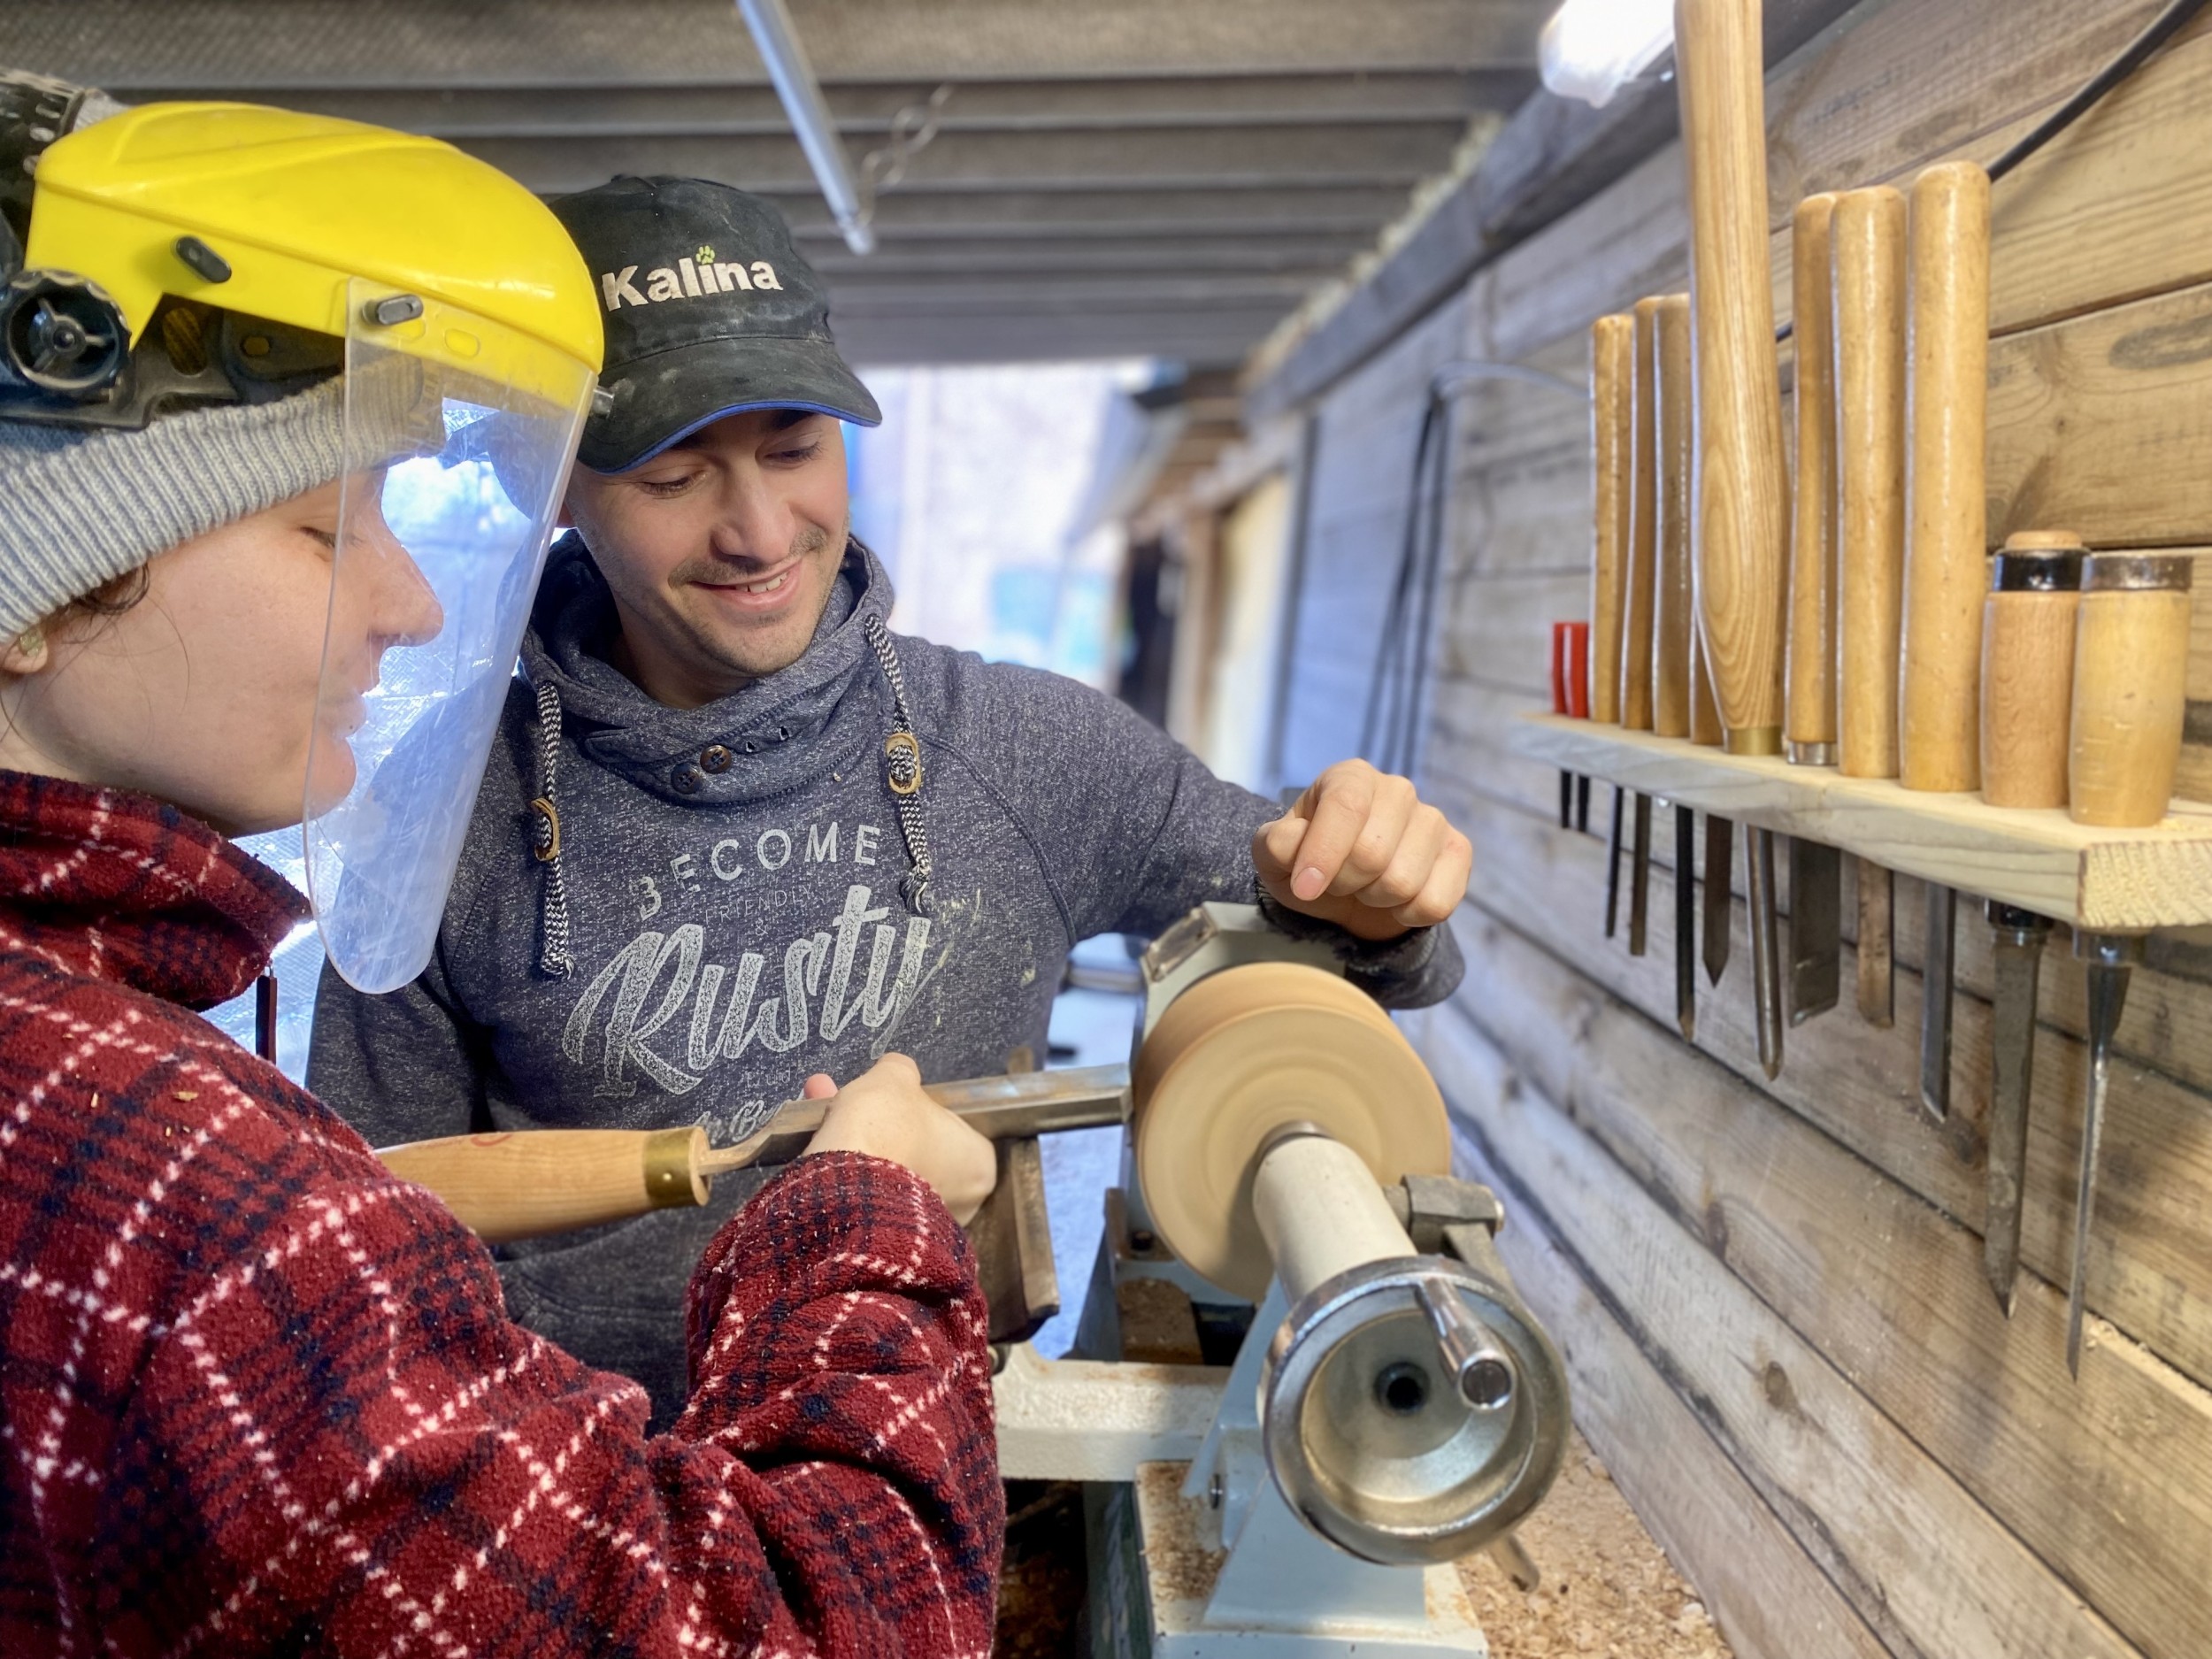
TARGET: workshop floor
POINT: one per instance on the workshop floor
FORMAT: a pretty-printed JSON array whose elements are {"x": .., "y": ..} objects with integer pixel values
[{"x": 1609, "y": 1592}]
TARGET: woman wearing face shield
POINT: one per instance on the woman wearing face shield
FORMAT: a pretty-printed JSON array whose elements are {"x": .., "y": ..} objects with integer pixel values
[{"x": 285, "y": 404}]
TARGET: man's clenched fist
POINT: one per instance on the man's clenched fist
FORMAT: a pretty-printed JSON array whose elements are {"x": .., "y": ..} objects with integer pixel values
[{"x": 1361, "y": 849}]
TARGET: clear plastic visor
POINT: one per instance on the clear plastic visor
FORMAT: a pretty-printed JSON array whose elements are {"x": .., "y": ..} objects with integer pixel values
[{"x": 458, "y": 437}]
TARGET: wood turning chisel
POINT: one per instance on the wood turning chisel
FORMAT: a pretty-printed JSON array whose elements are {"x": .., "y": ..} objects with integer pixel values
[
  {"x": 2028, "y": 621},
  {"x": 1742, "y": 546},
  {"x": 1612, "y": 446},
  {"x": 1945, "y": 578},
  {"x": 1672, "y": 636},
  {"x": 532, "y": 1182},
  {"x": 2016, "y": 940},
  {"x": 1868, "y": 237},
  {"x": 1810, "y": 713},
  {"x": 1570, "y": 697},
  {"x": 1640, "y": 625}
]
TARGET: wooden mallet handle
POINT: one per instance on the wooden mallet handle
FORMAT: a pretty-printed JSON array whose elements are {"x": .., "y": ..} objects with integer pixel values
[
  {"x": 1643, "y": 522},
  {"x": 1742, "y": 510}
]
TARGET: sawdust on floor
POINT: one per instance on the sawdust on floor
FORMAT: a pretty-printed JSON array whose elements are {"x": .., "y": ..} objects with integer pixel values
[{"x": 1607, "y": 1590}]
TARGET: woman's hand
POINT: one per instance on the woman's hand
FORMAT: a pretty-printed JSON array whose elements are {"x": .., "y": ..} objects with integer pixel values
[{"x": 884, "y": 1113}]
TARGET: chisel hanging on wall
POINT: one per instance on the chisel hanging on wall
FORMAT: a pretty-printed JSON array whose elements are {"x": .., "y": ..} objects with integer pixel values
[
  {"x": 1674, "y": 635},
  {"x": 1742, "y": 512},
  {"x": 1612, "y": 444},
  {"x": 1867, "y": 235},
  {"x": 1815, "y": 870},
  {"x": 1940, "y": 706}
]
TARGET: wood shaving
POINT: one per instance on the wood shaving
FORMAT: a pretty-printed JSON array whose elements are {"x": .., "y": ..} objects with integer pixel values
[{"x": 1607, "y": 1591}]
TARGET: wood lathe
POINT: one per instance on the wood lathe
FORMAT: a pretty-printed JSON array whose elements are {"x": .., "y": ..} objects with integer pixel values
[{"x": 1391, "y": 1405}]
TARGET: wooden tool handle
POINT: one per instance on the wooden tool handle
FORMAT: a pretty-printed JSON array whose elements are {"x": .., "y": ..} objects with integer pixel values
[
  {"x": 1677, "y": 599},
  {"x": 2028, "y": 675},
  {"x": 1869, "y": 238},
  {"x": 1742, "y": 513},
  {"x": 1811, "y": 710},
  {"x": 1612, "y": 433},
  {"x": 2131, "y": 673},
  {"x": 1704, "y": 710},
  {"x": 535, "y": 1181},
  {"x": 1946, "y": 576},
  {"x": 1643, "y": 522},
  {"x": 508, "y": 1186}
]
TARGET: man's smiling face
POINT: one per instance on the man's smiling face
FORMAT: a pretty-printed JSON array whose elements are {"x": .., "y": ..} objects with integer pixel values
[{"x": 720, "y": 551}]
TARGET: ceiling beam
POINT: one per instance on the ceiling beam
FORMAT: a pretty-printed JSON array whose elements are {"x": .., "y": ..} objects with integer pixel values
[
  {"x": 1310, "y": 255},
  {"x": 1238, "y": 157},
  {"x": 458, "y": 112},
  {"x": 146, "y": 43}
]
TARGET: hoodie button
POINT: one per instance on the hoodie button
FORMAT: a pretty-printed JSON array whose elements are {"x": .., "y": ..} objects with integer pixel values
[
  {"x": 715, "y": 758},
  {"x": 687, "y": 780}
]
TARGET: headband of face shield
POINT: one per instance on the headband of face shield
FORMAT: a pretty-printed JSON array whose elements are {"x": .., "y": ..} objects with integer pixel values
[{"x": 459, "y": 427}]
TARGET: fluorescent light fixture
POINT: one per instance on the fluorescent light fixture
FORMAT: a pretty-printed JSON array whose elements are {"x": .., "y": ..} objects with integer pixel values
[{"x": 1592, "y": 48}]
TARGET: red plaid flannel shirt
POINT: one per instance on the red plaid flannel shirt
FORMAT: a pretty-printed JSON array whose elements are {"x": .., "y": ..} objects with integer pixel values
[{"x": 257, "y": 1397}]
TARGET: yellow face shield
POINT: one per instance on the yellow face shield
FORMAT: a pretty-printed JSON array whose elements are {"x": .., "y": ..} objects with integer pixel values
[{"x": 464, "y": 319}]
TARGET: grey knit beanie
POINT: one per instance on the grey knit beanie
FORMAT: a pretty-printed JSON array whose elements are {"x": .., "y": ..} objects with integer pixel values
[{"x": 78, "y": 509}]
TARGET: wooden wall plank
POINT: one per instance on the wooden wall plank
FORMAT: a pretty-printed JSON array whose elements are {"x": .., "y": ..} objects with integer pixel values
[
  {"x": 2108, "y": 1481},
  {"x": 1931, "y": 1571}
]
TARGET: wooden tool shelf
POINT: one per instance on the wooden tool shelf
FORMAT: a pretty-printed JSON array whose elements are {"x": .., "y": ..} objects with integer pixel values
[{"x": 2106, "y": 878}]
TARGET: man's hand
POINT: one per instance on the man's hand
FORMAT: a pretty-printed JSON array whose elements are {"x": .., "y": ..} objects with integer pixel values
[
  {"x": 1361, "y": 849},
  {"x": 884, "y": 1113}
]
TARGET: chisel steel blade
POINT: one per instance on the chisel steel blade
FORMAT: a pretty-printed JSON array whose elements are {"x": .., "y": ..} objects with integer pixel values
[
  {"x": 2109, "y": 957},
  {"x": 1816, "y": 928},
  {"x": 1878, "y": 978},
  {"x": 1582, "y": 803},
  {"x": 1935, "y": 1002},
  {"x": 1720, "y": 857},
  {"x": 1640, "y": 878},
  {"x": 1685, "y": 923},
  {"x": 1613, "y": 862},
  {"x": 2016, "y": 939},
  {"x": 1766, "y": 955}
]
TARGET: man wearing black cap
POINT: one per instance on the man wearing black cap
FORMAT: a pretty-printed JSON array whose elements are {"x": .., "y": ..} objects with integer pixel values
[{"x": 733, "y": 835}]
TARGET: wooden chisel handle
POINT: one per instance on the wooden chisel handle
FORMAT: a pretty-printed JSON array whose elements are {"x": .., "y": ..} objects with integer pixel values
[
  {"x": 1676, "y": 626},
  {"x": 1946, "y": 576},
  {"x": 1637, "y": 642},
  {"x": 1612, "y": 442},
  {"x": 536, "y": 1181},
  {"x": 1811, "y": 710},
  {"x": 1742, "y": 512},
  {"x": 1869, "y": 238}
]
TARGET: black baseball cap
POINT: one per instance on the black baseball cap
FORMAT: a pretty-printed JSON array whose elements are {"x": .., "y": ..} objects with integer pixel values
[{"x": 709, "y": 312}]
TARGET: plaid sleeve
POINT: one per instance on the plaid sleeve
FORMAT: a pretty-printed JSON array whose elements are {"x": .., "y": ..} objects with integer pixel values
[{"x": 356, "y": 1453}]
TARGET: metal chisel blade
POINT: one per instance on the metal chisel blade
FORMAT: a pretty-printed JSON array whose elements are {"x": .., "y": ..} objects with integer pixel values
[
  {"x": 1613, "y": 862},
  {"x": 1877, "y": 979},
  {"x": 1816, "y": 928},
  {"x": 1720, "y": 855},
  {"x": 1685, "y": 924},
  {"x": 1766, "y": 955},
  {"x": 1935, "y": 1000},
  {"x": 1640, "y": 878},
  {"x": 2016, "y": 939},
  {"x": 2108, "y": 957}
]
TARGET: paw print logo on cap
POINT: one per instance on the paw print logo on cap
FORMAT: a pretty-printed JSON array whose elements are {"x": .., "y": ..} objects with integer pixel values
[{"x": 705, "y": 254}]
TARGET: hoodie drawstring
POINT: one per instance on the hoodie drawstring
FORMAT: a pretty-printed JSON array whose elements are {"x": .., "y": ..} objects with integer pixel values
[
  {"x": 554, "y": 960},
  {"x": 901, "y": 775},
  {"x": 903, "y": 770}
]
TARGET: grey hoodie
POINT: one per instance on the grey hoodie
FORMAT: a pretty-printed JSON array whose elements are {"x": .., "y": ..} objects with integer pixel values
[{"x": 740, "y": 899}]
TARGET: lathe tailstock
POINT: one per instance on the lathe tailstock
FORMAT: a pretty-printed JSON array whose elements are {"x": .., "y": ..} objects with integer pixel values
[{"x": 1391, "y": 1407}]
